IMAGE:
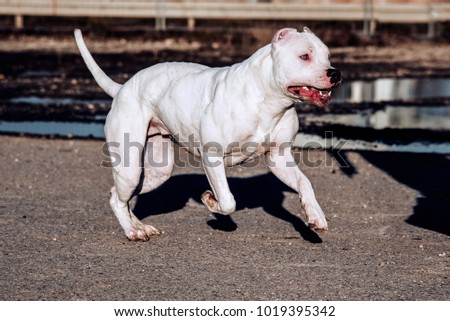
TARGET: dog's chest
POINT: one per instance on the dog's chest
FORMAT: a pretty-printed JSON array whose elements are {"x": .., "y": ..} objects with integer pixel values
[{"x": 247, "y": 149}]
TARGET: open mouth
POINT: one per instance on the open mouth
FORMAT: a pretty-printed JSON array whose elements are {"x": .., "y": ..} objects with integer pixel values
[{"x": 319, "y": 97}]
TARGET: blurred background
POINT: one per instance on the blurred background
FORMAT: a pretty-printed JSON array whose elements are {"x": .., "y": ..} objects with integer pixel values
[{"x": 394, "y": 55}]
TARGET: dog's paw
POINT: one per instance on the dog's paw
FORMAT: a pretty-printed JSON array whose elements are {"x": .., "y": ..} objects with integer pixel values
[
  {"x": 316, "y": 218},
  {"x": 227, "y": 206},
  {"x": 210, "y": 202},
  {"x": 142, "y": 233}
]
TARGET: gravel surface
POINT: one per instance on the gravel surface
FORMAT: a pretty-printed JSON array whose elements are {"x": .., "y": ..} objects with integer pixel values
[{"x": 388, "y": 238}]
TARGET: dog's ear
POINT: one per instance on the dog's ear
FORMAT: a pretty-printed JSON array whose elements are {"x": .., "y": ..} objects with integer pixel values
[
  {"x": 306, "y": 30},
  {"x": 282, "y": 34}
]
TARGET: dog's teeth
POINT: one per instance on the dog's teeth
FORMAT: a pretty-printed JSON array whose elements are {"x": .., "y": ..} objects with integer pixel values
[
  {"x": 329, "y": 93},
  {"x": 305, "y": 88},
  {"x": 320, "y": 92}
]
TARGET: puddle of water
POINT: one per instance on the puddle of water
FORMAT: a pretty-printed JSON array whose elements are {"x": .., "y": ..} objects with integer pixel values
[
  {"x": 40, "y": 74},
  {"x": 433, "y": 118},
  {"x": 423, "y": 117},
  {"x": 56, "y": 128},
  {"x": 95, "y": 130},
  {"x": 388, "y": 89},
  {"x": 357, "y": 91},
  {"x": 34, "y": 100},
  {"x": 316, "y": 141}
]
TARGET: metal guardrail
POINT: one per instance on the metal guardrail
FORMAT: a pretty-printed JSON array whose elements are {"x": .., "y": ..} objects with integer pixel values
[
  {"x": 161, "y": 10},
  {"x": 197, "y": 10}
]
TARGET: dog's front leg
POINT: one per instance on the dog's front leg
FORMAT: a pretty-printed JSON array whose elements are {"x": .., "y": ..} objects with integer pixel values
[
  {"x": 220, "y": 200},
  {"x": 282, "y": 164}
]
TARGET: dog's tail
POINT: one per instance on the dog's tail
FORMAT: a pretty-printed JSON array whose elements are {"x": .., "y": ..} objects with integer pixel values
[{"x": 106, "y": 83}]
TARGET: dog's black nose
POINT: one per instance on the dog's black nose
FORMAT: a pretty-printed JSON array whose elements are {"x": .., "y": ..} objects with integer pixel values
[{"x": 335, "y": 76}]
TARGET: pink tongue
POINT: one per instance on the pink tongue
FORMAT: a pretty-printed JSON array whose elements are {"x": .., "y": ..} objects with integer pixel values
[
  {"x": 310, "y": 94},
  {"x": 314, "y": 94}
]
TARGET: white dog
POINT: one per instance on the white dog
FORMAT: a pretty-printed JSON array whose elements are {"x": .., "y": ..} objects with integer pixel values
[{"x": 225, "y": 115}]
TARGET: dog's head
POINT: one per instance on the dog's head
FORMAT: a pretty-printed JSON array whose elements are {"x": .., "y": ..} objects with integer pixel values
[{"x": 302, "y": 67}]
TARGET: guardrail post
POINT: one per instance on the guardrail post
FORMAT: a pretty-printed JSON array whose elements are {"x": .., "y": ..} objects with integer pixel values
[
  {"x": 18, "y": 21},
  {"x": 431, "y": 22},
  {"x": 369, "y": 24},
  {"x": 160, "y": 19},
  {"x": 191, "y": 23}
]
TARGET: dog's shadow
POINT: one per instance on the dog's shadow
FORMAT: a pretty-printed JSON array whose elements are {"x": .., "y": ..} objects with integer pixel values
[{"x": 264, "y": 191}]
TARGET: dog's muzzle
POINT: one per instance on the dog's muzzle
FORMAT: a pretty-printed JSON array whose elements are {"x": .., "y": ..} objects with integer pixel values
[
  {"x": 317, "y": 96},
  {"x": 335, "y": 76}
]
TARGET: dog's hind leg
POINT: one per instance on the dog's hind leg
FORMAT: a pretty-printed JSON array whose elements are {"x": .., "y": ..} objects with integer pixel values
[
  {"x": 158, "y": 163},
  {"x": 126, "y": 133}
]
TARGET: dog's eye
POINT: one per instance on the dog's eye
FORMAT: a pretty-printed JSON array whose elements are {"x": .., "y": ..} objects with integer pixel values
[{"x": 304, "y": 57}]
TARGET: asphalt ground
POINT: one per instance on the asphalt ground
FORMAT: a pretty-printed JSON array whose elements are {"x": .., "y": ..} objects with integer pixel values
[{"x": 388, "y": 215}]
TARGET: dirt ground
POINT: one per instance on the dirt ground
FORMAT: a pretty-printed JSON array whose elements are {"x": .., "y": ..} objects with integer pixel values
[
  {"x": 389, "y": 235},
  {"x": 51, "y": 66},
  {"x": 388, "y": 238},
  {"x": 407, "y": 58}
]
